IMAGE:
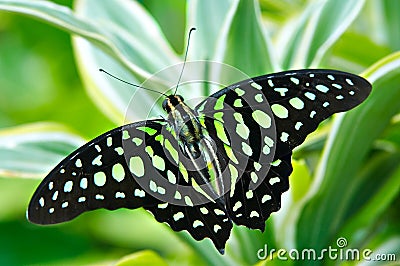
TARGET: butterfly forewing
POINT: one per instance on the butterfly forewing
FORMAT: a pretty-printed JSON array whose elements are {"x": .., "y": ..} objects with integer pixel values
[
  {"x": 302, "y": 99},
  {"x": 96, "y": 175}
]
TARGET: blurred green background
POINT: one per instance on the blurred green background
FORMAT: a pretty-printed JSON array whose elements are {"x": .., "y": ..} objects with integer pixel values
[{"x": 346, "y": 186}]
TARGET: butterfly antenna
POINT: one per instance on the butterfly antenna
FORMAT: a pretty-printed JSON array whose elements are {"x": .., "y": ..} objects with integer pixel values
[
  {"x": 184, "y": 60},
  {"x": 134, "y": 85}
]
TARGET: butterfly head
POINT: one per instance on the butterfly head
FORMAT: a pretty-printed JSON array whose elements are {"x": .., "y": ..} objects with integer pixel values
[{"x": 171, "y": 102}]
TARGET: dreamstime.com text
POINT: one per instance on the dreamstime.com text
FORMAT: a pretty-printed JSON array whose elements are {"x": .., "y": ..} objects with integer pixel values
[{"x": 331, "y": 253}]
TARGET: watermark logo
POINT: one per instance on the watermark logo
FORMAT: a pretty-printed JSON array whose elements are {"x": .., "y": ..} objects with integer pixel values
[{"x": 340, "y": 252}]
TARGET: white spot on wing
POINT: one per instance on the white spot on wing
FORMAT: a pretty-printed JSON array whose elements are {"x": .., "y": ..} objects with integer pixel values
[
  {"x": 41, "y": 202},
  {"x": 217, "y": 227},
  {"x": 78, "y": 163},
  {"x": 99, "y": 179},
  {"x": 188, "y": 201},
  {"x": 298, "y": 125},
  {"x": 178, "y": 215},
  {"x": 350, "y": 82},
  {"x": 337, "y": 86},
  {"x": 136, "y": 166},
  {"x": 55, "y": 195},
  {"x": 265, "y": 198},
  {"x": 99, "y": 197},
  {"x": 254, "y": 214},
  {"x": 237, "y": 205},
  {"x": 97, "y": 160},
  {"x": 256, "y": 86},
  {"x": 219, "y": 212},
  {"x": 295, "y": 80},
  {"x": 282, "y": 91},
  {"x": 197, "y": 223},
  {"x": 274, "y": 180},
  {"x": 284, "y": 136},
  {"x": 204, "y": 210},
  {"x": 259, "y": 98},
  {"x": 254, "y": 177},
  {"x": 247, "y": 149},
  {"x": 119, "y": 195},
  {"x": 109, "y": 141},
  {"x": 81, "y": 199},
  {"x": 262, "y": 119},
  {"x": 139, "y": 193},
  {"x": 118, "y": 172},
  {"x": 296, "y": 103},
  {"x": 163, "y": 205},
  {"x": 68, "y": 186},
  {"x": 310, "y": 95},
  {"x": 322, "y": 88},
  {"x": 84, "y": 183},
  {"x": 177, "y": 195},
  {"x": 280, "y": 111}
]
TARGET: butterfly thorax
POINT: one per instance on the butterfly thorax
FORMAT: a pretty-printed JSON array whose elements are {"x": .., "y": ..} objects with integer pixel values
[
  {"x": 185, "y": 123},
  {"x": 195, "y": 143}
]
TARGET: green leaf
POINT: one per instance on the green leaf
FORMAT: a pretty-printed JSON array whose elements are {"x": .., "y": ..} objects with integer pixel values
[
  {"x": 126, "y": 47},
  {"x": 308, "y": 38},
  {"x": 249, "y": 47},
  {"x": 383, "y": 22},
  {"x": 350, "y": 57},
  {"x": 212, "y": 31},
  {"x": 142, "y": 258},
  {"x": 109, "y": 36},
  {"x": 32, "y": 150},
  {"x": 381, "y": 185},
  {"x": 346, "y": 149}
]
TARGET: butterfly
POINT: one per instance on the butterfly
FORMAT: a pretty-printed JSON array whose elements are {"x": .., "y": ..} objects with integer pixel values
[{"x": 227, "y": 161}]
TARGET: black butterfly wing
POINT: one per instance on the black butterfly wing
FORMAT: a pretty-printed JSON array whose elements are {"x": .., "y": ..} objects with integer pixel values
[
  {"x": 132, "y": 166},
  {"x": 299, "y": 101},
  {"x": 94, "y": 176},
  {"x": 302, "y": 99}
]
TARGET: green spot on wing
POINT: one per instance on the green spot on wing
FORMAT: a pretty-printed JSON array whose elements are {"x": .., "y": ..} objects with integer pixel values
[
  {"x": 160, "y": 138},
  {"x": 149, "y": 151},
  {"x": 172, "y": 151},
  {"x": 220, "y": 103},
  {"x": 136, "y": 166},
  {"x": 118, "y": 172},
  {"x": 218, "y": 116},
  {"x": 231, "y": 154},
  {"x": 219, "y": 128},
  {"x": 137, "y": 141},
  {"x": 148, "y": 130},
  {"x": 184, "y": 172},
  {"x": 125, "y": 134}
]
